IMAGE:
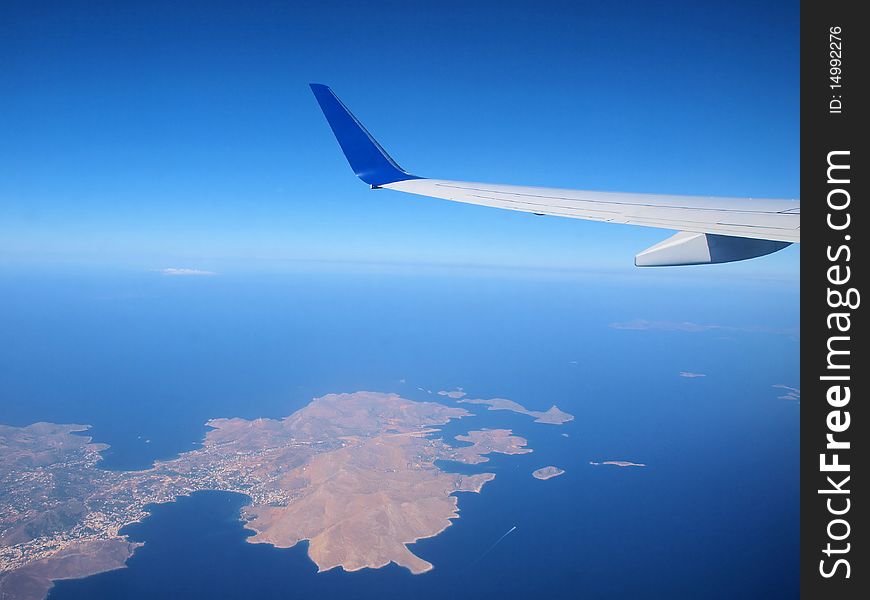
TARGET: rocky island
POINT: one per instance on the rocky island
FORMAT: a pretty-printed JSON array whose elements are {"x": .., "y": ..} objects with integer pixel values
[
  {"x": 547, "y": 472},
  {"x": 354, "y": 474}
]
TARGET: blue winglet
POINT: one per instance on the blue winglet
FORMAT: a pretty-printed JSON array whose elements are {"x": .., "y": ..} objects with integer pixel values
[{"x": 369, "y": 161}]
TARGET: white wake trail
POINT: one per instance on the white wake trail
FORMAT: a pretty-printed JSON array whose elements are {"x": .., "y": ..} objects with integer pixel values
[{"x": 496, "y": 543}]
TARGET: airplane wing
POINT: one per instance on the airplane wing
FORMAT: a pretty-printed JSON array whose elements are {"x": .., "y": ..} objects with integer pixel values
[{"x": 710, "y": 230}]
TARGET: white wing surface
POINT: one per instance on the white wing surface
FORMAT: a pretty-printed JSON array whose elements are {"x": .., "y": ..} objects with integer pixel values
[{"x": 710, "y": 229}]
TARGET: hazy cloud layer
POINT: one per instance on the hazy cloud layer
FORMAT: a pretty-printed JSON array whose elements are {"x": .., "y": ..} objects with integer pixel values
[
  {"x": 644, "y": 325},
  {"x": 690, "y": 327}
]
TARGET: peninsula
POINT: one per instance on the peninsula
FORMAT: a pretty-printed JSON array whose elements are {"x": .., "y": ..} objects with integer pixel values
[{"x": 553, "y": 415}]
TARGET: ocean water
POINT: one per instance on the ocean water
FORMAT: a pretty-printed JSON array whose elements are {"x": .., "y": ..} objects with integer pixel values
[{"x": 147, "y": 359}]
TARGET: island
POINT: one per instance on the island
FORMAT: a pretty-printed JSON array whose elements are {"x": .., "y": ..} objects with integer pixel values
[
  {"x": 455, "y": 394},
  {"x": 553, "y": 415},
  {"x": 353, "y": 474},
  {"x": 547, "y": 472}
]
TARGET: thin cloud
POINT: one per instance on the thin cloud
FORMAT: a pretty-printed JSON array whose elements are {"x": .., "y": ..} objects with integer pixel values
[
  {"x": 176, "y": 272},
  {"x": 790, "y": 392},
  {"x": 690, "y": 375}
]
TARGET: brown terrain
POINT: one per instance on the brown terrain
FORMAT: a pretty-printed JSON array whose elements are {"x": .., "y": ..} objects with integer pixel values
[{"x": 361, "y": 504}]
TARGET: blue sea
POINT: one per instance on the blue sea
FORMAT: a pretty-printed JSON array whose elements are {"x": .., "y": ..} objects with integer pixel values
[{"x": 147, "y": 358}]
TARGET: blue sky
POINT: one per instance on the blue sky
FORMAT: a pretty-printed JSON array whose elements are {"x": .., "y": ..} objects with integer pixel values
[{"x": 146, "y": 135}]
